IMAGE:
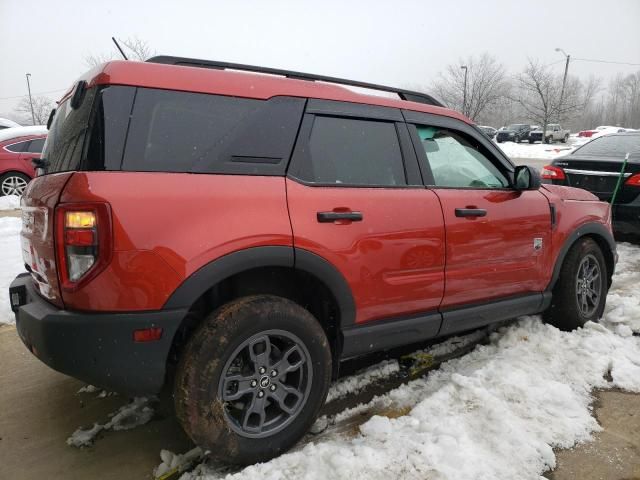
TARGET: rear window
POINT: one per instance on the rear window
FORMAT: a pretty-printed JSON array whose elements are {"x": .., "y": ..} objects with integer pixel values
[
  {"x": 152, "y": 130},
  {"x": 611, "y": 145}
]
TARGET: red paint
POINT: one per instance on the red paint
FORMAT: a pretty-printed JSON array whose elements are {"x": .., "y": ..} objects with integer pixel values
[
  {"x": 393, "y": 259},
  {"x": 17, "y": 161},
  {"x": 551, "y": 172}
]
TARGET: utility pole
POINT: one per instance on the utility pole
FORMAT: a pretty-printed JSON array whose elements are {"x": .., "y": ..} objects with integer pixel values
[
  {"x": 566, "y": 70},
  {"x": 33, "y": 116},
  {"x": 464, "y": 94}
]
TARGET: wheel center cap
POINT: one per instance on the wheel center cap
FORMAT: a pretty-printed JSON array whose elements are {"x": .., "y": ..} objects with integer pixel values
[{"x": 264, "y": 382}]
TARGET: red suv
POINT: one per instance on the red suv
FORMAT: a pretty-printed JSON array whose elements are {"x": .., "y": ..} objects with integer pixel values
[
  {"x": 18, "y": 146},
  {"x": 255, "y": 230}
]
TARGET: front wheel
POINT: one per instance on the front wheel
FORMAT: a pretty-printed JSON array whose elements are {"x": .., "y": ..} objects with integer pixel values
[
  {"x": 580, "y": 293},
  {"x": 565, "y": 139},
  {"x": 252, "y": 378}
]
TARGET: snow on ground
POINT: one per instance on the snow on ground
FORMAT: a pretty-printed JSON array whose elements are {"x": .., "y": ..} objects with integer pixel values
[
  {"x": 496, "y": 412},
  {"x": 9, "y": 202},
  {"x": 138, "y": 412},
  {"x": 540, "y": 151},
  {"x": 11, "y": 263}
]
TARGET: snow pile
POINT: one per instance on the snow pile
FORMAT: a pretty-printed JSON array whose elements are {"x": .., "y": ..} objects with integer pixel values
[
  {"x": 497, "y": 412},
  {"x": 535, "y": 150},
  {"x": 129, "y": 416},
  {"x": 174, "y": 463},
  {"x": 11, "y": 263},
  {"x": 357, "y": 382},
  {"x": 9, "y": 202}
]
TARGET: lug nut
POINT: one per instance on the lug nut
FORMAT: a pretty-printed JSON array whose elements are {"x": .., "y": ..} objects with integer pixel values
[
  {"x": 260, "y": 394},
  {"x": 274, "y": 373},
  {"x": 272, "y": 388},
  {"x": 262, "y": 370},
  {"x": 254, "y": 383}
]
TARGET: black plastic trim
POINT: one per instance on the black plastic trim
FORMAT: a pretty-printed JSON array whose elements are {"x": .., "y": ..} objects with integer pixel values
[
  {"x": 581, "y": 231},
  {"x": 383, "y": 335},
  {"x": 468, "y": 317},
  {"x": 358, "y": 110},
  {"x": 194, "y": 62}
]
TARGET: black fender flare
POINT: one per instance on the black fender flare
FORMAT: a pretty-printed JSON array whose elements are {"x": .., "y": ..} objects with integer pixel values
[
  {"x": 233, "y": 263},
  {"x": 592, "y": 229}
]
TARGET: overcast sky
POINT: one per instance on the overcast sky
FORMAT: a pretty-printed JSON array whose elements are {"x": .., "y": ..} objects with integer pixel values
[{"x": 403, "y": 43}]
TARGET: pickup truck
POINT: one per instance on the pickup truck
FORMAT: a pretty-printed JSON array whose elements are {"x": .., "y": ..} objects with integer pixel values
[{"x": 553, "y": 133}]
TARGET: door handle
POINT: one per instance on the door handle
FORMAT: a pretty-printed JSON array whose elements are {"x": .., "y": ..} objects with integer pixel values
[
  {"x": 328, "y": 217},
  {"x": 471, "y": 212}
]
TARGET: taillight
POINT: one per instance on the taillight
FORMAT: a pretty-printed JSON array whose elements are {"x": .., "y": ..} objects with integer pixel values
[
  {"x": 549, "y": 172},
  {"x": 83, "y": 241},
  {"x": 633, "y": 180}
]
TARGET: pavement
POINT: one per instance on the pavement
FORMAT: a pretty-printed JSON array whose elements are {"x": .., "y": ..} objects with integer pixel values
[{"x": 40, "y": 409}]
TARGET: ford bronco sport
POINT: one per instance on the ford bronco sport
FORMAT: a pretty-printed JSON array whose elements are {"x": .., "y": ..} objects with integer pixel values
[{"x": 254, "y": 230}]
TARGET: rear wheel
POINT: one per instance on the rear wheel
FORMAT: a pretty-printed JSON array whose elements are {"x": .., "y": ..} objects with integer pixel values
[
  {"x": 252, "y": 378},
  {"x": 580, "y": 293},
  {"x": 13, "y": 183},
  {"x": 565, "y": 139}
]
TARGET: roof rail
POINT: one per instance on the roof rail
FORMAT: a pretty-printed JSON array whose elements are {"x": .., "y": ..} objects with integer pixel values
[{"x": 194, "y": 62}]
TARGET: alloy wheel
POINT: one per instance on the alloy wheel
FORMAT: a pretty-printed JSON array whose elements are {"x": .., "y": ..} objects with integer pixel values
[
  {"x": 13, "y": 185},
  {"x": 588, "y": 285}
]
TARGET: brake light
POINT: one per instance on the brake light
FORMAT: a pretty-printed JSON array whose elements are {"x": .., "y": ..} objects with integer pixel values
[
  {"x": 633, "y": 180},
  {"x": 549, "y": 172},
  {"x": 83, "y": 242}
]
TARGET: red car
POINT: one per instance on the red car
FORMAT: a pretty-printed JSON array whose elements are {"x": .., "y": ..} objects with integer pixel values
[
  {"x": 237, "y": 236},
  {"x": 18, "y": 146}
]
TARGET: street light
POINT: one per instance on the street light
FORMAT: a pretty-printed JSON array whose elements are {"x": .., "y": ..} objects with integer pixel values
[
  {"x": 464, "y": 94},
  {"x": 566, "y": 70},
  {"x": 33, "y": 116}
]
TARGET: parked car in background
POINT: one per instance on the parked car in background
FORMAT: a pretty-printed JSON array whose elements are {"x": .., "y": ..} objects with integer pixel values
[
  {"x": 603, "y": 129},
  {"x": 18, "y": 145},
  {"x": 596, "y": 167},
  {"x": 488, "y": 131},
  {"x": 516, "y": 132},
  {"x": 310, "y": 225},
  {"x": 535, "y": 127},
  {"x": 6, "y": 123},
  {"x": 554, "y": 133}
]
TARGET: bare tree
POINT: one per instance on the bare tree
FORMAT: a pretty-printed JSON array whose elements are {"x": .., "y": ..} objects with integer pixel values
[
  {"x": 540, "y": 94},
  {"x": 134, "y": 47},
  {"x": 42, "y": 107},
  {"x": 486, "y": 85}
]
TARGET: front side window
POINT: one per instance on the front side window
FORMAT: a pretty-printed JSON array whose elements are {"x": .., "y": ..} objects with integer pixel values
[
  {"x": 346, "y": 151},
  {"x": 456, "y": 162}
]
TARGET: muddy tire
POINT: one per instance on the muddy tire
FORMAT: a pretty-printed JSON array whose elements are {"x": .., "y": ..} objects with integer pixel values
[
  {"x": 580, "y": 293},
  {"x": 252, "y": 379}
]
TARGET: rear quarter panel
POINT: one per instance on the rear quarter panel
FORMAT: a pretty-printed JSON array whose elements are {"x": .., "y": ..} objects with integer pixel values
[{"x": 168, "y": 225}]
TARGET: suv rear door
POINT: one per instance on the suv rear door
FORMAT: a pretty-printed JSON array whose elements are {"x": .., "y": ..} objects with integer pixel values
[
  {"x": 356, "y": 199},
  {"x": 497, "y": 236}
]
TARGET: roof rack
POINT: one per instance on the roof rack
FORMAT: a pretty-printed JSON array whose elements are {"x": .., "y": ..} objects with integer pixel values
[{"x": 194, "y": 62}]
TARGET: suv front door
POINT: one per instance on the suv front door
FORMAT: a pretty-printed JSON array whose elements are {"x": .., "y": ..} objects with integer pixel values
[
  {"x": 356, "y": 200},
  {"x": 497, "y": 237}
]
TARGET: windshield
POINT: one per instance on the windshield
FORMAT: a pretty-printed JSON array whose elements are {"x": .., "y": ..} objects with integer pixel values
[{"x": 612, "y": 146}]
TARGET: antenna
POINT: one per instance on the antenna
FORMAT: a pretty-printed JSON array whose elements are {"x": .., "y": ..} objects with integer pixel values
[{"x": 118, "y": 45}]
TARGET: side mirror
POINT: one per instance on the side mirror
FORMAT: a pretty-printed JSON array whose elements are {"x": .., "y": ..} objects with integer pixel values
[
  {"x": 526, "y": 178},
  {"x": 40, "y": 165}
]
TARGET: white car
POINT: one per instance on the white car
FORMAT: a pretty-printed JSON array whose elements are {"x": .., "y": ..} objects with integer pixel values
[{"x": 6, "y": 123}]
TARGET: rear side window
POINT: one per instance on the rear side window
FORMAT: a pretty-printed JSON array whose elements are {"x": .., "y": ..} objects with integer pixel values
[
  {"x": 17, "y": 147},
  {"x": 346, "y": 151},
  {"x": 192, "y": 132}
]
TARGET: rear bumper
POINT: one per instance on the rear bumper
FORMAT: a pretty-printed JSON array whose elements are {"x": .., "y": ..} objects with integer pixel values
[{"x": 97, "y": 348}]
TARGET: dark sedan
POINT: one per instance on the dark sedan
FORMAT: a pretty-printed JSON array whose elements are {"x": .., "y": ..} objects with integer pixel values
[
  {"x": 597, "y": 166},
  {"x": 514, "y": 133}
]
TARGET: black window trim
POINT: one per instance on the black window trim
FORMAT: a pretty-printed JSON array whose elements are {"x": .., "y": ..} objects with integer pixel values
[
  {"x": 354, "y": 111},
  {"x": 495, "y": 156}
]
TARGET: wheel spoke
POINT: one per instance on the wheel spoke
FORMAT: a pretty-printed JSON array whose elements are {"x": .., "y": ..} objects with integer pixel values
[
  {"x": 260, "y": 358},
  {"x": 253, "y": 412},
  {"x": 284, "y": 365},
  {"x": 282, "y": 393},
  {"x": 242, "y": 384}
]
